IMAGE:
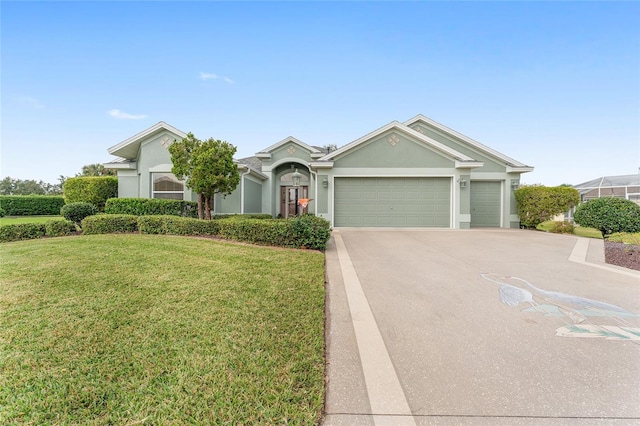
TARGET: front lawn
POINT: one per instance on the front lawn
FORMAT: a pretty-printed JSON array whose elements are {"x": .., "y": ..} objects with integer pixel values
[
  {"x": 578, "y": 230},
  {"x": 147, "y": 329},
  {"x": 14, "y": 220}
]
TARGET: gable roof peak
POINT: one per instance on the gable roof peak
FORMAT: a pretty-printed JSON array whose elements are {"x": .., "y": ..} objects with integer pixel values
[
  {"x": 396, "y": 125},
  {"x": 471, "y": 142},
  {"x": 129, "y": 147},
  {"x": 286, "y": 140}
]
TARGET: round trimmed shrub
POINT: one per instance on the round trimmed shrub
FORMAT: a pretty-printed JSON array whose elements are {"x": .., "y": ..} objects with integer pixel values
[
  {"x": 75, "y": 212},
  {"x": 609, "y": 215}
]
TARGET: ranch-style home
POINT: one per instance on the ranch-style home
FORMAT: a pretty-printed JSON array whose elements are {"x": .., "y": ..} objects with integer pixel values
[{"x": 413, "y": 174}]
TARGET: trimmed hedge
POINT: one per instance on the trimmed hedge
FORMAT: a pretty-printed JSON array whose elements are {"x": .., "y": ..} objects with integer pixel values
[
  {"x": 109, "y": 224},
  {"x": 239, "y": 216},
  {"x": 305, "y": 231},
  {"x": 301, "y": 232},
  {"x": 90, "y": 189},
  {"x": 22, "y": 231},
  {"x": 174, "y": 225},
  {"x": 273, "y": 232},
  {"x": 31, "y": 205},
  {"x": 59, "y": 228},
  {"x": 537, "y": 203},
  {"x": 151, "y": 206},
  {"x": 311, "y": 231},
  {"x": 1, "y": 212}
]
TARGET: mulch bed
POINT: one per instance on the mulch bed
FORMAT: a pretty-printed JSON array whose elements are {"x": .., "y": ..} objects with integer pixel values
[{"x": 621, "y": 254}]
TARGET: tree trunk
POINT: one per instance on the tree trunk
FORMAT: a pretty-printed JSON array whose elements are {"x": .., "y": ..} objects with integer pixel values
[
  {"x": 208, "y": 207},
  {"x": 200, "y": 206}
]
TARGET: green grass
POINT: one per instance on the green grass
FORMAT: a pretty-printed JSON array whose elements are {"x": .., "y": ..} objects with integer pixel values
[
  {"x": 13, "y": 220},
  {"x": 142, "y": 329},
  {"x": 622, "y": 237},
  {"x": 579, "y": 231}
]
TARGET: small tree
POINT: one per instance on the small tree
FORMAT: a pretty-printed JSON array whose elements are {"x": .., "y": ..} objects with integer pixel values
[
  {"x": 609, "y": 215},
  {"x": 537, "y": 203},
  {"x": 207, "y": 167}
]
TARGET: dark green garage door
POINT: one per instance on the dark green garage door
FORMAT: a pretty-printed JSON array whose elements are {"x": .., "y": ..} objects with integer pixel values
[
  {"x": 379, "y": 202},
  {"x": 485, "y": 204}
]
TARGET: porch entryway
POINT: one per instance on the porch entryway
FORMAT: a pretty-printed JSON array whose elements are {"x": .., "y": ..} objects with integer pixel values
[{"x": 288, "y": 200}]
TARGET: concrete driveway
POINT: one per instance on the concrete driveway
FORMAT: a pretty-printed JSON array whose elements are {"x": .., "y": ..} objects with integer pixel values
[{"x": 479, "y": 327}]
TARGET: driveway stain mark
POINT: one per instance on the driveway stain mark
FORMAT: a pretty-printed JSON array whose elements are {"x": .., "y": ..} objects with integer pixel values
[{"x": 575, "y": 311}]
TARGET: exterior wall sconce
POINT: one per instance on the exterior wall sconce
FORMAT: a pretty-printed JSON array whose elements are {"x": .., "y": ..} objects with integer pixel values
[
  {"x": 462, "y": 182},
  {"x": 515, "y": 185},
  {"x": 325, "y": 183}
]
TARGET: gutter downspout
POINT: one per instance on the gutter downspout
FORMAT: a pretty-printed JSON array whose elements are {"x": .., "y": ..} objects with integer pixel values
[
  {"x": 242, "y": 190},
  {"x": 315, "y": 191}
]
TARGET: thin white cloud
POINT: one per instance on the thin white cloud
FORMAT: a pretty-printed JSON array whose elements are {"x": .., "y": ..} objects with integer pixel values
[
  {"x": 116, "y": 113},
  {"x": 212, "y": 76},
  {"x": 32, "y": 102},
  {"x": 208, "y": 76}
]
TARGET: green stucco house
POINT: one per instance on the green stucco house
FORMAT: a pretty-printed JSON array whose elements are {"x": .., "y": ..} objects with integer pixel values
[{"x": 413, "y": 174}]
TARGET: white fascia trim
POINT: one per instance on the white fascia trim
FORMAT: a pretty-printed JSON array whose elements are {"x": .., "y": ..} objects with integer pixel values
[
  {"x": 161, "y": 168},
  {"x": 265, "y": 155},
  {"x": 285, "y": 141},
  {"x": 143, "y": 134},
  {"x": 321, "y": 164},
  {"x": 526, "y": 169},
  {"x": 120, "y": 165},
  {"x": 247, "y": 170},
  {"x": 404, "y": 129},
  {"x": 492, "y": 152},
  {"x": 316, "y": 155},
  {"x": 468, "y": 164}
]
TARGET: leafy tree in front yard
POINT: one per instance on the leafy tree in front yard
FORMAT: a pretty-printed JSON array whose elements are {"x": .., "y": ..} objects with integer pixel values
[
  {"x": 537, "y": 203},
  {"x": 207, "y": 167},
  {"x": 609, "y": 215}
]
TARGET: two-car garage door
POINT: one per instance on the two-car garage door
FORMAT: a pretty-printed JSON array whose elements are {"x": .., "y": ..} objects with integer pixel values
[{"x": 397, "y": 202}]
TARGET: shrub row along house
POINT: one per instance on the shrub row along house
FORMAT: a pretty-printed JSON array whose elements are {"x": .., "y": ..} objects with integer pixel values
[{"x": 413, "y": 174}]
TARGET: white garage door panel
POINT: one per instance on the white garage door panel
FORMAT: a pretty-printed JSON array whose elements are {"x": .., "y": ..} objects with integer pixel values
[{"x": 401, "y": 202}]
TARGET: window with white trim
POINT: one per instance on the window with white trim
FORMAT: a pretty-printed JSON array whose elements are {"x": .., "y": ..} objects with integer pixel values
[{"x": 166, "y": 185}]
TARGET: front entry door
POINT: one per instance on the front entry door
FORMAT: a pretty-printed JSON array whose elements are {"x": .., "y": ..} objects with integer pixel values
[{"x": 288, "y": 200}]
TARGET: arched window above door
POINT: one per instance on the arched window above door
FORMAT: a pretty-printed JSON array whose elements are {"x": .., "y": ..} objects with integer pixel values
[{"x": 288, "y": 177}]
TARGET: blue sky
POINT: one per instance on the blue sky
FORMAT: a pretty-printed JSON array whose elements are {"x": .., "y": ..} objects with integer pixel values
[{"x": 555, "y": 85}]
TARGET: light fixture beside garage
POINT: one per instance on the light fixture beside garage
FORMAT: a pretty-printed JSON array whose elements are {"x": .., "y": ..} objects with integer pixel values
[
  {"x": 325, "y": 183},
  {"x": 515, "y": 185},
  {"x": 463, "y": 182}
]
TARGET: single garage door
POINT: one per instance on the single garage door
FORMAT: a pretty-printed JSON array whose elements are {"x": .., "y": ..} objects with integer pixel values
[
  {"x": 485, "y": 204},
  {"x": 379, "y": 202}
]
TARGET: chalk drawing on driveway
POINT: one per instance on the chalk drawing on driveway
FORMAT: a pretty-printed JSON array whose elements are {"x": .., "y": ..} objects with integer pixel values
[{"x": 577, "y": 312}]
